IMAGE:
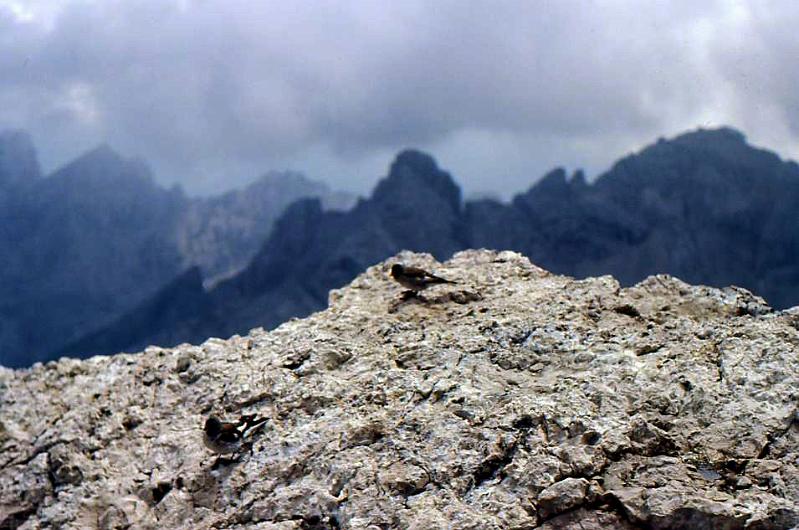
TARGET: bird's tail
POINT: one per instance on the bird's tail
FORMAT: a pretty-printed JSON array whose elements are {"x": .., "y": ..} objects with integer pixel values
[{"x": 251, "y": 422}]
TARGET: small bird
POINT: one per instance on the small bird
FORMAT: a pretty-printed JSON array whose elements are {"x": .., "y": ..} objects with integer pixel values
[
  {"x": 415, "y": 279},
  {"x": 226, "y": 438}
]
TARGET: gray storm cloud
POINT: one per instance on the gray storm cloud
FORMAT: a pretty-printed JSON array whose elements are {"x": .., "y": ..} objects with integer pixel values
[{"x": 212, "y": 92}]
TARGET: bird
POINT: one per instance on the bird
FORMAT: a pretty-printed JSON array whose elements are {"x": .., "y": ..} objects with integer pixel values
[
  {"x": 415, "y": 279},
  {"x": 227, "y": 438}
]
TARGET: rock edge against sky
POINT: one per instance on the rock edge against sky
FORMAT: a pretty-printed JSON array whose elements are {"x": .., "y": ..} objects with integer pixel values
[{"x": 514, "y": 399}]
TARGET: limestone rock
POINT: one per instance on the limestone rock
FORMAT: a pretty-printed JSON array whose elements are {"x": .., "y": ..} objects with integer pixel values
[
  {"x": 528, "y": 400},
  {"x": 562, "y": 496}
]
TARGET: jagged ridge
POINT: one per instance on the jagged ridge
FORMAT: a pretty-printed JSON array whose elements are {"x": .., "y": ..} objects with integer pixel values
[
  {"x": 704, "y": 206},
  {"x": 97, "y": 238}
]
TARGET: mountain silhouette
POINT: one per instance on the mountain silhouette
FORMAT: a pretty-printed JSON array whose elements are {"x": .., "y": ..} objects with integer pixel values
[
  {"x": 704, "y": 206},
  {"x": 98, "y": 237}
]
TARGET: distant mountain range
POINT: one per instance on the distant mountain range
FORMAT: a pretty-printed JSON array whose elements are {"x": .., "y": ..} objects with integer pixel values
[
  {"x": 704, "y": 206},
  {"x": 98, "y": 237}
]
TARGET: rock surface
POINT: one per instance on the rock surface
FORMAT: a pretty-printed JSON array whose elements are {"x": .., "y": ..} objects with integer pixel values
[{"x": 514, "y": 399}]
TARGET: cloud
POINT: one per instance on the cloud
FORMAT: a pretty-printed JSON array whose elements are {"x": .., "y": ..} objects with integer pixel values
[{"x": 212, "y": 92}]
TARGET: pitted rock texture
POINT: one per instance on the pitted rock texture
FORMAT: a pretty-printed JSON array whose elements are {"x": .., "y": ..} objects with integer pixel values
[{"x": 514, "y": 399}]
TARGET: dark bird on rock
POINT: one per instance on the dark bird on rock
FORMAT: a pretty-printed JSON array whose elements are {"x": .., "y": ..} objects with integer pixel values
[
  {"x": 415, "y": 279},
  {"x": 226, "y": 438}
]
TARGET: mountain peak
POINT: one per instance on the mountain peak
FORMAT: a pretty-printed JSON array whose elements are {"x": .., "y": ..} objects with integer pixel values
[
  {"x": 414, "y": 172},
  {"x": 417, "y": 161},
  {"x": 555, "y": 180},
  {"x": 102, "y": 154},
  {"x": 103, "y": 164},
  {"x": 724, "y": 142},
  {"x": 578, "y": 179},
  {"x": 695, "y": 156},
  {"x": 705, "y": 136}
]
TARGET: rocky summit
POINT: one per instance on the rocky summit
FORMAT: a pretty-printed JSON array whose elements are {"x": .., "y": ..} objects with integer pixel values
[{"x": 515, "y": 398}]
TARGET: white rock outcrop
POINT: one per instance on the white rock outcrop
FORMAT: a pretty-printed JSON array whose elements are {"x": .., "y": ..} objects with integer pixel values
[{"x": 514, "y": 399}]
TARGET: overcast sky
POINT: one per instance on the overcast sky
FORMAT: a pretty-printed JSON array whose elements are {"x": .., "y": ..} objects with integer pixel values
[{"x": 212, "y": 93}]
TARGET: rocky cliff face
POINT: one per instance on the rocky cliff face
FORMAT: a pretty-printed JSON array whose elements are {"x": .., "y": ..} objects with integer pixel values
[
  {"x": 309, "y": 252},
  {"x": 80, "y": 247},
  {"x": 704, "y": 206},
  {"x": 221, "y": 234},
  {"x": 514, "y": 399},
  {"x": 98, "y": 237}
]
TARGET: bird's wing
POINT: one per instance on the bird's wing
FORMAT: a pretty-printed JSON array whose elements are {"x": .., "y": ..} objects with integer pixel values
[
  {"x": 416, "y": 272},
  {"x": 422, "y": 275},
  {"x": 437, "y": 279},
  {"x": 229, "y": 433}
]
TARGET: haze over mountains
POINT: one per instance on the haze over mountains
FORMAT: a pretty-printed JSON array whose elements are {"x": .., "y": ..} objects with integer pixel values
[
  {"x": 97, "y": 237},
  {"x": 704, "y": 206}
]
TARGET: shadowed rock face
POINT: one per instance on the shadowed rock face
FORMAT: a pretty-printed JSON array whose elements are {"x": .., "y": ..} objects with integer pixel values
[
  {"x": 309, "y": 252},
  {"x": 184, "y": 298},
  {"x": 80, "y": 247},
  {"x": 99, "y": 237},
  {"x": 221, "y": 234},
  {"x": 516, "y": 398}
]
